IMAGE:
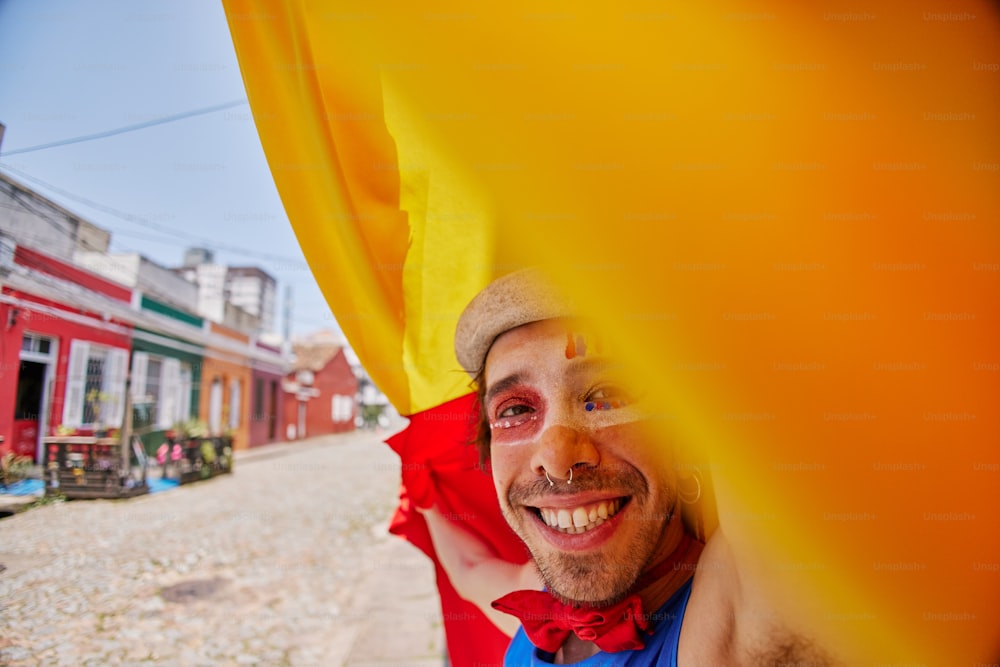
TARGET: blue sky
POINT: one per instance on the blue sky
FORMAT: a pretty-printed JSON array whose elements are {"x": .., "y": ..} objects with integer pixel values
[{"x": 70, "y": 69}]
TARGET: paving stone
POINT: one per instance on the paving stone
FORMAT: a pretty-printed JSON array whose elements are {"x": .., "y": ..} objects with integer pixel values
[{"x": 297, "y": 535}]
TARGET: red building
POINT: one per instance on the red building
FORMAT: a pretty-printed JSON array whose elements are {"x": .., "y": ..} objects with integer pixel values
[
  {"x": 64, "y": 350},
  {"x": 320, "y": 392}
]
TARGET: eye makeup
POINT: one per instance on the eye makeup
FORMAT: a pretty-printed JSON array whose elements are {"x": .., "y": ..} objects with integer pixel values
[
  {"x": 514, "y": 412},
  {"x": 590, "y": 406},
  {"x": 512, "y": 422}
]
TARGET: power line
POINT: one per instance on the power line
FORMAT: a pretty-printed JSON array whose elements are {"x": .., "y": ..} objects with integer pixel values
[
  {"x": 129, "y": 128},
  {"x": 135, "y": 219}
]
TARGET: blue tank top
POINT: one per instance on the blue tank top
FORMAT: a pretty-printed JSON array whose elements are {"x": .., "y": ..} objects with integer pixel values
[{"x": 661, "y": 647}]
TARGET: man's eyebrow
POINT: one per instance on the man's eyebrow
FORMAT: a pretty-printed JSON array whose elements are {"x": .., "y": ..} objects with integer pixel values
[{"x": 503, "y": 385}]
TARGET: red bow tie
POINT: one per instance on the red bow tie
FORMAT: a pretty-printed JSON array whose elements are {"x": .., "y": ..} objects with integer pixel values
[
  {"x": 620, "y": 627},
  {"x": 548, "y": 622}
]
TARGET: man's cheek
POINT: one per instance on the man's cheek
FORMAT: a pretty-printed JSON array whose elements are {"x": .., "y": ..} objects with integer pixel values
[
  {"x": 501, "y": 475},
  {"x": 506, "y": 466}
]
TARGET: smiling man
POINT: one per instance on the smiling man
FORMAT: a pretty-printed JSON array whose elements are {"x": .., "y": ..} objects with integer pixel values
[{"x": 598, "y": 499}]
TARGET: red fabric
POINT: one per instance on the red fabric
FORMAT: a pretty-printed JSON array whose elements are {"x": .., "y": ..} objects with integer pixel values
[
  {"x": 548, "y": 622},
  {"x": 440, "y": 465}
]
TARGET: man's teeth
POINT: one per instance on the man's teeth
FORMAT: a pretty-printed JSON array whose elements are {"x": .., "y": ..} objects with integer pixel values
[{"x": 580, "y": 519}]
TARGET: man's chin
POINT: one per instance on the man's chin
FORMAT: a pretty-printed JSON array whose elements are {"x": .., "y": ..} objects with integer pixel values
[{"x": 584, "y": 579}]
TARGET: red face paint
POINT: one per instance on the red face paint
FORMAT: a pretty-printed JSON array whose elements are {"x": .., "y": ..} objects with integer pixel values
[
  {"x": 515, "y": 415},
  {"x": 576, "y": 345}
]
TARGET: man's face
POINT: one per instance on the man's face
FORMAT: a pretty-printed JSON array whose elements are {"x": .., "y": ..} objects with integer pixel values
[{"x": 554, "y": 404}]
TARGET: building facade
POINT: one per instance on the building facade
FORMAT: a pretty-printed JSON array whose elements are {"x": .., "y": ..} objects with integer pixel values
[
  {"x": 225, "y": 382},
  {"x": 320, "y": 392},
  {"x": 32, "y": 220},
  {"x": 64, "y": 351},
  {"x": 167, "y": 359},
  {"x": 266, "y": 404},
  {"x": 86, "y": 336},
  {"x": 253, "y": 290}
]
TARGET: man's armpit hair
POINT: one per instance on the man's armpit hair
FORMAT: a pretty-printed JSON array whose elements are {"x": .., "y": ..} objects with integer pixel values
[{"x": 791, "y": 650}]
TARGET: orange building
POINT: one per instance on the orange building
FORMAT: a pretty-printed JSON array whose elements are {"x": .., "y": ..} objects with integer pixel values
[{"x": 225, "y": 384}]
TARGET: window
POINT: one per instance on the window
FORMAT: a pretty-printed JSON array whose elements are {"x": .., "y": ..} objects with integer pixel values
[
  {"x": 95, "y": 385},
  {"x": 161, "y": 390},
  {"x": 36, "y": 343},
  {"x": 341, "y": 408}
]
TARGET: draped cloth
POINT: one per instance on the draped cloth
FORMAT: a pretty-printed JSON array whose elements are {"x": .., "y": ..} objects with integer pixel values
[{"x": 784, "y": 214}]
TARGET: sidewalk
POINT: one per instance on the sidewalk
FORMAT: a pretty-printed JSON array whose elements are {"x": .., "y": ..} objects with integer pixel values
[{"x": 284, "y": 562}]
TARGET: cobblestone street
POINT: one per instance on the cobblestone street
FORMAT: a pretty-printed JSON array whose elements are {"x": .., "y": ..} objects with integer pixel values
[{"x": 285, "y": 562}]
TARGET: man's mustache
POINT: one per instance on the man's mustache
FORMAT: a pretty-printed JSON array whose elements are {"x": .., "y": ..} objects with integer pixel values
[{"x": 626, "y": 482}]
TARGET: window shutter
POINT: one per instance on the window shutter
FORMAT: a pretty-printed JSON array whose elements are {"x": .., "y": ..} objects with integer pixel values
[
  {"x": 139, "y": 362},
  {"x": 215, "y": 406},
  {"x": 170, "y": 384},
  {"x": 76, "y": 383},
  {"x": 184, "y": 394},
  {"x": 234, "y": 403},
  {"x": 113, "y": 385}
]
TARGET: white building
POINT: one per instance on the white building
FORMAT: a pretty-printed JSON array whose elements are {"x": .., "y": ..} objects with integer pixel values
[
  {"x": 248, "y": 288},
  {"x": 254, "y": 291},
  {"x": 134, "y": 270},
  {"x": 36, "y": 222}
]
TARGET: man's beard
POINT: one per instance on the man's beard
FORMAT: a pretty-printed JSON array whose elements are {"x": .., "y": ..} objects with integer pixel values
[{"x": 606, "y": 576}]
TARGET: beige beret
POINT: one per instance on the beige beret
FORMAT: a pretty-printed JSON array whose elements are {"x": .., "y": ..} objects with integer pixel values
[{"x": 517, "y": 298}]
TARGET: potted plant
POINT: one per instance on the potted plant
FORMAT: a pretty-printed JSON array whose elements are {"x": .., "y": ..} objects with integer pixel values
[
  {"x": 190, "y": 434},
  {"x": 13, "y": 468},
  {"x": 95, "y": 401}
]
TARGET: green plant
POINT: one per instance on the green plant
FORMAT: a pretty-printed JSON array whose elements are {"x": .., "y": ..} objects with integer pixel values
[
  {"x": 208, "y": 451},
  {"x": 14, "y": 468},
  {"x": 42, "y": 501},
  {"x": 192, "y": 428},
  {"x": 95, "y": 401}
]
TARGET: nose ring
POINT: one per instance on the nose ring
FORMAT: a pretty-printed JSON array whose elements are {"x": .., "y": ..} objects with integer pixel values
[{"x": 568, "y": 481}]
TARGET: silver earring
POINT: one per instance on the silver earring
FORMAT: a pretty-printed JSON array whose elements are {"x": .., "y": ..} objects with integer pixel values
[{"x": 693, "y": 495}]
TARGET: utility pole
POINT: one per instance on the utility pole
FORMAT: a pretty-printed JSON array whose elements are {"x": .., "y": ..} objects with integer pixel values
[
  {"x": 126, "y": 431},
  {"x": 286, "y": 328}
]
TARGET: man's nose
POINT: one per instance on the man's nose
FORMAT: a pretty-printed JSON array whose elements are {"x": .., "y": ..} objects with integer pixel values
[{"x": 561, "y": 448}]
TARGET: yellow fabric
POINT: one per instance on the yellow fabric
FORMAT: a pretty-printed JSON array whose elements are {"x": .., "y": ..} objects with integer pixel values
[{"x": 785, "y": 213}]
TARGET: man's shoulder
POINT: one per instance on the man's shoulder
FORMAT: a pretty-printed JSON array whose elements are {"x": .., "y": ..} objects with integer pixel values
[{"x": 727, "y": 624}]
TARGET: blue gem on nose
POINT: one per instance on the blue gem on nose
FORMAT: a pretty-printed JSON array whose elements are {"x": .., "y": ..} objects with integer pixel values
[{"x": 589, "y": 407}]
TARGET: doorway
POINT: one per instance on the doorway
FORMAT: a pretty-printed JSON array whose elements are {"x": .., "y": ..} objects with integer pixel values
[
  {"x": 272, "y": 417},
  {"x": 33, "y": 393}
]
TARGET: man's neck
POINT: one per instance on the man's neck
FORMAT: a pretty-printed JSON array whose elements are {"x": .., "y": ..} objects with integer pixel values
[
  {"x": 669, "y": 569},
  {"x": 673, "y": 564},
  {"x": 574, "y": 650}
]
